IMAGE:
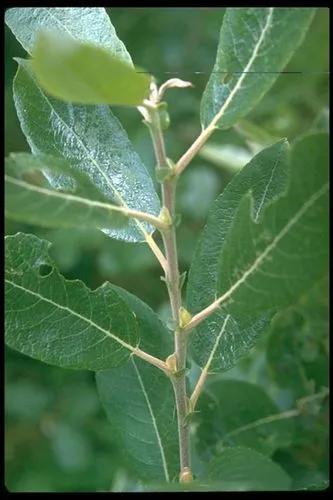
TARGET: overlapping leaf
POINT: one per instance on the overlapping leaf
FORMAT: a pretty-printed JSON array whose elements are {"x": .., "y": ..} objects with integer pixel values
[
  {"x": 58, "y": 321},
  {"x": 263, "y": 254},
  {"x": 83, "y": 73},
  {"x": 268, "y": 262},
  {"x": 90, "y": 138},
  {"x": 35, "y": 203},
  {"x": 243, "y": 469},
  {"x": 237, "y": 413},
  {"x": 297, "y": 349},
  {"x": 266, "y": 177},
  {"x": 255, "y": 45},
  {"x": 84, "y": 24},
  {"x": 139, "y": 402}
]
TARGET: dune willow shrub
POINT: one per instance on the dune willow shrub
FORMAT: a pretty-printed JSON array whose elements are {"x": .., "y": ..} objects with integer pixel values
[{"x": 263, "y": 249}]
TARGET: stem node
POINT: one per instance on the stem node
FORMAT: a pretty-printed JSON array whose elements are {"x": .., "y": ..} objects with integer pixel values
[
  {"x": 184, "y": 317},
  {"x": 186, "y": 475}
]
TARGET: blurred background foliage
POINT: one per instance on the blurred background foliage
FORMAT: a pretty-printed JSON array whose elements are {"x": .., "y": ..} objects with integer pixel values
[{"x": 57, "y": 437}]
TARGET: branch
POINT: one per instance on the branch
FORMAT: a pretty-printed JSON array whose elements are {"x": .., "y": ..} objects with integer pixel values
[
  {"x": 155, "y": 249},
  {"x": 172, "y": 278},
  {"x": 205, "y": 372},
  {"x": 202, "y": 315},
  {"x": 195, "y": 148},
  {"x": 152, "y": 360}
]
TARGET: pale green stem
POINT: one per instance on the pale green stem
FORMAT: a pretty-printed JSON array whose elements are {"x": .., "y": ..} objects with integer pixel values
[{"x": 172, "y": 279}]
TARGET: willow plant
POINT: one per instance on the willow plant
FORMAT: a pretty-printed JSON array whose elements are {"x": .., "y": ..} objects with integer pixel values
[{"x": 264, "y": 245}]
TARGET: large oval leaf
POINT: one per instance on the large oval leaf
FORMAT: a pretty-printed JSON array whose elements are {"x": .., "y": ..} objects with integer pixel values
[
  {"x": 58, "y": 321},
  {"x": 92, "y": 140},
  {"x": 139, "y": 402},
  {"x": 255, "y": 45},
  {"x": 89, "y": 137},
  {"x": 267, "y": 272},
  {"x": 221, "y": 338}
]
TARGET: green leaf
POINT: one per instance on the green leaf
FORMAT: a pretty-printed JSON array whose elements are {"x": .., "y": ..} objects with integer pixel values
[
  {"x": 33, "y": 203},
  {"x": 243, "y": 469},
  {"x": 322, "y": 121},
  {"x": 139, "y": 402},
  {"x": 228, "y": 157},
  {"x": 84, "y": 73},
  {"x": 255, "y": 136},
  {"x": 58, "y": 321},
  {"x": 90, "y": 25},
  {"x": 297, "y": 349},
  {"x": 155, "y": 338},
  {"x": 19, "y": 164},
  {"x": 92, "y": 140},
  {"x": 255, "y": 45},
  {"x": 266, "y": 177},
  {"x": 237, "y": 413},
  {"x": 266, "y": 272},
  {"x": 283, "y": 352}
]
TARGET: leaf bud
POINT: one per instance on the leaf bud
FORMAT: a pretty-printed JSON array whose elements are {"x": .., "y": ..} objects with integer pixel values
[
  {"x": 171, "y": 363},
  {"x": 184, "y": 317}
]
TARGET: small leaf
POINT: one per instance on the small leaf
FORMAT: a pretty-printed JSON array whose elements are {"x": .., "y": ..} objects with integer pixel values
[
  {"x": 58, "y": 321},
  {"x": 84, "y": 73},
  {"x": 255, "y": 45},
  {"x": 237, "y": 413},
  {"x": 243, "y": 469},
  {"x": 173, "y": 83},
  {"x": 31, "y": 203}
]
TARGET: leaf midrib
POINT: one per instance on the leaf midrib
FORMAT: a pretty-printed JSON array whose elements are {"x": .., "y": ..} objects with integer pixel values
[
  {"x": 246, "y": 69},
  {"x": 65, "y": 196},
  {"x": 274, "y": 242},
  {"x": 268, "y": 184},
  {"x": 150, "y": 409},
  {"x": 216, "y": 343}
]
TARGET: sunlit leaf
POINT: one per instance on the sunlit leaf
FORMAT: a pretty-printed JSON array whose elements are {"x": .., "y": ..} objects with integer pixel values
[
  {"x": 255, "y": 45},
  {"x": 84, "y": 73}
]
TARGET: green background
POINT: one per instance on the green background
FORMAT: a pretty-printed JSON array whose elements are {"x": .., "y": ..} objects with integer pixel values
[{"x": 57, "y": 437}]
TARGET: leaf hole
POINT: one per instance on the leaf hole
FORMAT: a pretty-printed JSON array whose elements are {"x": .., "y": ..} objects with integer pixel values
[{"x": 44, "y": 270}]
